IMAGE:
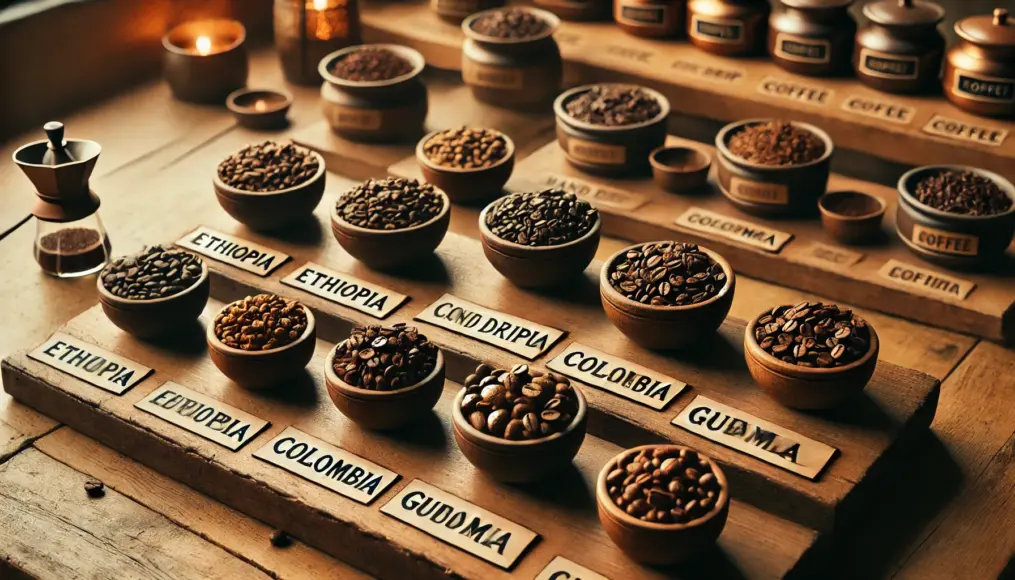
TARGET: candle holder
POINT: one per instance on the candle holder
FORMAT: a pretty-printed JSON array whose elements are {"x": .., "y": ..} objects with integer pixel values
[
  {"x": 260, "y": 109},
  {"x": 205, "y": 60},
  {"x": 308, "y": 30}
]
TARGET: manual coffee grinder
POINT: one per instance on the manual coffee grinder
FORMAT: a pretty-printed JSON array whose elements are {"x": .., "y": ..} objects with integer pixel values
[{"x": 70, "y": 240}]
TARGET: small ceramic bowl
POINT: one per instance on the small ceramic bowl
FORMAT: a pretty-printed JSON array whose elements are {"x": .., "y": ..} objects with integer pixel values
[
  {"x": 512, "y": 461},
  {"x": 465, "y": 186},
  {"x": 666, "y": 327},
  {"x": 263, "y": 369},
  {"x": 161, "y": 316},
  {"x": 852, "y": 217},
  {"x": 680, "y": 169},
  {"x": 808, "y": 388},
  {"x": 259, "y": 109},
  {"x": 273, "y": 209},
  {"x": 655, "y": 543}
]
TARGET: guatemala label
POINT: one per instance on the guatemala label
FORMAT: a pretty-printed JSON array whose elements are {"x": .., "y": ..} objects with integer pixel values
[
  {"x": 757, "y": 192},
  {"x": 560, "y": 568},
  {"x": 345, "y": 290},
  {"x": 589, "y": 152},
  {"x": 721, "y": 30},
  {"x": 460, "y": 523},
  {"x": 945, "y": 242},
  {"x": 353, "y": 117},
  {"x": 598, "y": 195},
  {"x": 889, "y": 66},
  {"x": 327, "y": 465},
  {"x": 795, "y": 91},
  {"x": 756, "y": 437},
  {"x": 642, "y": 15},
  {"x": 474, "y": 73},
  {"x": 879, "y": 109},
  {"x": 802, "y": 49},
  {"x": 741, "y": 231},
  {"x": 829, "y": 257},
  {"x": 982, "y": 134},
  {"x": 926, "y": 282},
  {"x": 234, "y": 251},
  {"x": 204, "y": 416},
  {"x": 90, "y": 363},
  {"x": 984, "y": 88}
]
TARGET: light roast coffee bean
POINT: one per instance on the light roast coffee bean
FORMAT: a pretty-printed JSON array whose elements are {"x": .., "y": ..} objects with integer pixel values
[
  {"x": 664, "y": 485},
  {"x": 963, "y": 193},
  {"x": 614, "y": 105},
  {"x": 667, "y": 274},
  {"x": 390, "y": 204},
  {"x": 812, "y": 334},
  {"x": 268, "y": 166},
  {"x": 155, "y": 272},
  {"x": 261, "y": 322},
  {"x": 466, "y": 148},
  {"x": 371, "y": 64},
  {"x": 776, "y": 143},
  {"x": 384, "y": 358},
  {"x": 520, "y": 403},
  {"x": 543, "y": 218}
]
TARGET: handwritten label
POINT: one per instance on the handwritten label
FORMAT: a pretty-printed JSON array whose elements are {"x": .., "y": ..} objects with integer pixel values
[
  {"x": 628, "y": 53},
  {"x": 234, "y": 251},
  {"x": 982, "y": 134},
  {"x": 346, "y": 290},
  {"x": 924, "y": 281},
  {"x": 201, "y": 415},
  {"x": 795, "y": 91},
  {"x": 878, "y": 109},
  {"x": 598, "y": 195},
  {"x": 758, "y": 192},
  {"x": 560, "y": 568},
  {"x": 614, "y": 374},
  {"x": 984, "y": 88},
  {"x": 755, "y": 437},
  {"x": 460, "y": 523},
  {"x": 513, "y": 334},
  {"x": 641, "y": 15},
  {"x": 945, "y": 242},
  {"x": 474, "y": 73},
  {"x": 803, "y": 49},
  {"x": 91, "y": 364},
  {"x": 341, "y": 117},
  {"x": 708, "y": 72},
  {"x": 326, "y": 465},
  {"x": 889, "y": 66},
  {"x": 738, "y": 230},
  {"x": 589, "y": 152},
  {"x": 830, "y": 257},
  {"x": 715, "y": 29}
]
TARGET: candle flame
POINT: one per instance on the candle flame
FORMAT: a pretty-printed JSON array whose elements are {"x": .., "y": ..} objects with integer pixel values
[
  {"x": 260, "y": 106},
  {"x": 320, "y": 4},
  {"x": 203, "y": 45}
]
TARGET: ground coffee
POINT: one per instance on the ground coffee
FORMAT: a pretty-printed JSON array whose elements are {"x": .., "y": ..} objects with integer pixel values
[
  {"x": 667, "y": 274},
  {"x": 72, "y": 250},
  {"x": 776, "y": 143},
  {"x": 370, "y": 65},
  {"x": 543, "y": 218},
  {"x": 390, "y": 204},
  {"x": 812, "y": 334},
  {"x": 156, "y": 272},
  {"x": 261, "y": 322},
  {"x": 466, "y": 148},
  {"x": 384, "y": 358},
  {"x": 268, "y": 166},
  {"x": 962, "y": 192},
  {"x": 518, "y": 404},
  {"x": 614, "y": 105},
  {"x": 510, "y": 23},
  {"x": 664, "y": 485}
]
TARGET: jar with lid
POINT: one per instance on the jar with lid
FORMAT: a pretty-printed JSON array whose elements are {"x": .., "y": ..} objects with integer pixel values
[
  {"x": 728, "y": 27},
  {"x": 900, "y": 50},
  {"x": 650, "y": 18},
  {"x": 979, "y": 74},
  {"x": 812, "y": 37},
  {"x": 577, "y": 10}
]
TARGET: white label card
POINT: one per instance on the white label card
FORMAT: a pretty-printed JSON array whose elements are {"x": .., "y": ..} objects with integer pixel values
[
  {"x": 745, "y": 232},
  {"x": 90, "y": 363},
  {"x": 234, "y": 251},
  {"x": 926, "y": 281},
  {"x": 204, "y": 416},
  {"x": 560, "y": 568},
  {"x": 346, "y": 290}
]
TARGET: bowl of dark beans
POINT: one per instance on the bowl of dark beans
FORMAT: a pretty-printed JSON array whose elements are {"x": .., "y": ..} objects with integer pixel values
[
  {"x": 662, "y": 504},
  {"x": 154, "y": 292},
  {"x": 468, "y": 164},
  {"x": 384, "y": 377},
  {"x": 520, "y": 424},
  {"x": 260, "y": 341},
  {"x": 667, "y": 295},
  {"x": 542, "y": 238},
  {"x": 269, "y": 185},
  {"x": 811, "y": 355}
]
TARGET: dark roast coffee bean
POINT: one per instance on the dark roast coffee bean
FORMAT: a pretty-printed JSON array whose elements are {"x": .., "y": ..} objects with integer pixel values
[
  {"x": 520, "y": 403},
  {"x": 776, "y": 143},
  {"x": 95, "y": 488},
  {"x": 371, "y": 64},
  {"x": 382, "y": 358},
  {"x": 667, "y": 274},
  {"x": 261, "y": 322},
  {"x": 543, "y": 218},
  {"x": 614, "y": 105},
  {"x": 390, "y": 204},
  {"x": 812, "y": 334},
  {"x": 510, "y": 23},
  {"x": 280, "y": 539},
  {"x": 466, "y": 148},
  {"x": 268, "y": 166},
  {"x": 664, "y": 485},
  {"x": 155, "y": 272},
  {"x": 962, "y": 192}
]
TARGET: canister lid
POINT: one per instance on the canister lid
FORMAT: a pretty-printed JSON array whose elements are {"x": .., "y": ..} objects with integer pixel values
[
  {"x": 816, "y": 4},
  {"x": 904, "y": 12},
  {"x": 997, "y": 29}
]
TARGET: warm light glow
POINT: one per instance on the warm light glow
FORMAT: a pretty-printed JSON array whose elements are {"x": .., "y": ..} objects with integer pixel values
[
  {"x": 260, "y": 105},
  {"x": 320, "y": 4},
  {"x": 203, "y": 45}
]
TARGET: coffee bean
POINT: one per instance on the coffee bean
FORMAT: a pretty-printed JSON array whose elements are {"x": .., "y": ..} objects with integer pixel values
[
  {"x": 371, "y": 64},
  {"x": 691, "y": 275},
  {"x": 268, "y": 166},
  {"x": 382, "y": 358},
  {"x": 663, "y": 485},
  {"x": 776, "y": 143},
  {"x": 155, "y": 272},
  {"x": 963, "y": 193},
  {"x": 390, "y": 204},
  {"x": 614, "y": 105},
  {"x": 812, "y": 334},
  {"x": 513, "y": 23},
  {"x": 544, "y": 218},
  {"x": 280, "y": 539},
  {"x": 261, "y": 322},
  {"x": 466, "y": 148},
  {"x": 95, "y": 488},
  {"x": 516, "y": 404}
]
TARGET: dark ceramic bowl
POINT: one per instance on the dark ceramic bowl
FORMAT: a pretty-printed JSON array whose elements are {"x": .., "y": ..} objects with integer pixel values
[
  {"x": 160, "y": 316},
  {"x": 465, "y": 186},
  {"x": 208, "y": 78},
  {"x": 269, "y": 114},
  {"x": 273, "y": 209}
]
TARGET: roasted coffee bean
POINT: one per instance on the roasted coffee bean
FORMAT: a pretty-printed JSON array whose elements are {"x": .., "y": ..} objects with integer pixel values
[
  {"x": 95, "y": 488},
  {"x": 519, "y": 403},
  {"x": 963, "y": 193},
  {"x": 664, "y": 485},
  {"x": 280, "y": 539},
  {"x": 371, "y": 64},
  {"x": 382, "y": 358},
  {"x": 667, "y": 274},
  {"x": 543, "y": 218},
  {"x": 268, "y": 166},
  {"x": 390, "y": 204},
  {"x": 812, "y": 334},
  {"x": 155, "y": 272},
  {"x": 614, "y": 105},
  {"x": 466, "y": 148},
  {"x": 261, "y": 322},
  {"x": 776, "y": 143},
  {"x": 513, "y": 23}
]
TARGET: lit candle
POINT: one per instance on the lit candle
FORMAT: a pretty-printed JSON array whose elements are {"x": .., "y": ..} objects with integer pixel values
[
  {"x": 260, "y": 105},
  {"x": 205, "y": 60},
  {"x": 327, "y": 20},
  {"x": 203, "y": 45}
]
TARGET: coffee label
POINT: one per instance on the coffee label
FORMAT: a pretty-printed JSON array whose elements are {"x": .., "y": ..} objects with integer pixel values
[
  {"x": 91, "y": 364},
  {"x": 474, "y": 73},
  {"x": 829, "y": 257},
  {"x": 460, "y": 523},
  {"x": 738, "y": 230},
  {"x": 234, "y": 251},
  {"x": 879, "y": 109},
  {"x": 620, "y": 377},
  {"x": 980, "y": 133},
  {"x": 513, "y": 334},
  {"x": 326, "y": 465},
  {"x": 642, "y": 15},
  {"x": 599, "y": 196},
  {"x": 708, "y": 72},
  {"x": 758, "y": 192},
  {"x": 715, "y": 29},
  {"x": 201, "y": 415},
  {"x": 755, "y": 437},
  {"x": 945, "y": 242},
  {"x": 924, "y": 281},
  {"x": 346, "y": 290},
  {"x": 628, "y": 53},
  {"x": 589, "y": 152},
  {"x": 353, "y": 118},
  {"x": 984, "y": 88},
  {"x": 889, "y": 66},
  {"x": 803, "y": 49},
  {"x": 560, "y": 568},
  {"x": 795, "y": 91}
]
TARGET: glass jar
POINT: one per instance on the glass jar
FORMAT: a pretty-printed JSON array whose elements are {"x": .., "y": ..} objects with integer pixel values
[
  {"x": 979, "y": 74},
  {"x": 900, "y": 50},
  {"x": 308, "y": 30},
  {"x": 812, "y": 37},
  {"x": 728, "y": 27},
  {"x": 72, "y": 249}
]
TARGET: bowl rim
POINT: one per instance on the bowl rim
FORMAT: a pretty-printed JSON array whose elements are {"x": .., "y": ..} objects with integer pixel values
[
  {"x": 903, "y": 188},
  {"x": 351, "y": 229},
  {"x": 116, "y": 301},
  {"x": 564, "y": 117},
  {"x": 422, "y": 158},
  {"x": 492, "y": 239},
  {"x": 350, "y": 391},
  {"x": 287, "y": 101},
  {"x": 551, "y": 19},
  {"x": 230, "y": 190},
  {"x": 489, "y": 442},
  {"x": 660, "y": 166},
  {"x": 410, "y": 54},
  {"x": 603, "y": 495},
  {"x": 730, "y": 129},
  {"x": 220, "y": 346},
  {"x": 882, "y": 206},
  {"x": 235, "y": 26}
]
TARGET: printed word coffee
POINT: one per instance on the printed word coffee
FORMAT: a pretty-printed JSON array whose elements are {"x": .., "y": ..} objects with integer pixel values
[
  {"x": 261, "y": 322},
  {"x": 614, "y": 105},
  {"x": 156, "y": 272},
  {"x": 667, "y": 274},
  {"x": 776, "y": 143},
  {"x": 665, "y": 485},
  {"x": 381, "y": 358},
  {"x": 543, "y": 218},
  {"x": 466, "y": 148},
  {"x": 518, "y": 404},
  {"x": 390, "y": 204},
  {"x": 268, "y": 166},
  {"x": 812, "y": 334}
]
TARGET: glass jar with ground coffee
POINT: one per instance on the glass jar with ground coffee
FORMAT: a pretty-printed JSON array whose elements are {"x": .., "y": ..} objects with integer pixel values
[
  {"x": 979, "y": 72},
  {"x": 812, "y": 37},
  {"x": 900, "y": 50}
]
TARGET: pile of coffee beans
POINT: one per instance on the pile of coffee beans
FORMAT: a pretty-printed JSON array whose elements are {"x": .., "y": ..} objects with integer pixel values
[
  {"x": 510, "y": 23},
  {"x": 776, "y": 143},
  {"x": 520, "y": 403},
  {"x": 261, "y": 322},
  {"x": 664, "y": 485},
  {"x": 542, "y": 218},
  {"x": 155, "y": 272},
  {"x": 268, "y": 166},
  {"x": 667, "y": 274},
  {"x": 614, "y": 105},
  {"x": 962, "y": 192},
  {"x": 371, "y": 64},
  {"x": 812, "y": 334},
  {"x": 390, "y": 204},
  {"x": 466, "y": 148},
  {"x": 382, "y": 358}
]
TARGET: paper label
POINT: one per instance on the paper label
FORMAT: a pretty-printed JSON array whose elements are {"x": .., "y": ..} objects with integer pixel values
[
  {"x": 619, "y": 376},
  {"x": 513, "y": 334},
  {"x": 879, "y": 109},
  {"x": 889, "y": 66},
  {"x": 474, "y": 73},
  {"x": 945, "y": 242},
  {"x": 829, "y": 257},
  {"x": 795, "y": 91},
  {"x": 94, "y": 365},
  {"x": 755, "y": 437},
  {"x": 802, "y": 49},
  {"x": 757, "y": 192},
  {"x": 715, "y": 29},
  {"x": 643, "y": 15},
  {"x": 708, "y": 72},
  {"x": 353, "y": 118},
  {"x": 924, "y": 281},
  {"x": 560, "y": 568},
  {"x": 234, "y": 251},
  {"x": 980, "y": 133},
  {"x": 984, "y": 88},
  {"x": 460, "y": 523},
  {"x": 589, "y": 152},
  {"x": 599, "y": 196},
  {"x": 744, "y": 232},
  {"x": 346, "y": 290},
  {"x": 201, "y": 415}
]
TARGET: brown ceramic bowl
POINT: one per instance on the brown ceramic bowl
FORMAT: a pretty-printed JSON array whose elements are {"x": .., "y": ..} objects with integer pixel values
[
  {"x": 274, "y": 209},
  {"x": 263, "y": 368},
  {"x": 654, "y": 543},
  {"x": 385, "y": 409},
  {"x": 666, "y": 327},
  {"x": 805, "y": 387},
  {"x": 680, "y": 169},
  {"x": 259, "y": 109},
  {"x": 519, "y": 461},
  {"x": 466, "y": 186},
  {"x": 151, "y": 318},
  {"x": 852, "y": 217}
]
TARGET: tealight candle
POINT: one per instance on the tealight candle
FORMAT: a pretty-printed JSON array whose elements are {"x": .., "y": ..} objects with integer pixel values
[
  {"x": 259, "y": 108},
  {"x": 205, "y": 60}
]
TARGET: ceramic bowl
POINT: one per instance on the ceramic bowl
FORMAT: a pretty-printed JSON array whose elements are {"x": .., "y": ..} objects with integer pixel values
[
  {"x": 273, "y": 209},
  {"x": 465, "y": 186},
  {"x": 680, "y": 169},
  {"x": 157, "y": 317},
  {"x": 852, "y": 217},
  {"x": 259, "y": 109}
]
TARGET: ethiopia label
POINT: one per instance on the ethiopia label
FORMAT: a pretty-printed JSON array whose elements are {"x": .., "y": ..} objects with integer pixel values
[
  {"x": 879, "y": 109},
  {"x": 945, "y": 242},
  {"x": 758, "y": 192},
  {"x": 983, "y": 88},
  {"x": 353, "y": 117},
  {"x": 327, "y": 465},
  {"x": 589, "y": 152},
  {"x": 978, "y": 132},
  {"x": 795, "y": 91},
  {"x": 204, "y": 416},
  {"x": 474, "y": 73},
  {"x": 346, "y": 290},
  {"x": 756, "y": 437},
  {"x": 614, "y": 374},
  {"x": 924, "y": 281},
  {"x": 715, "y": 29},
  {"x": 829, "y": 257},
  {"x": 889, "y": 66},
  {"x": 598, "y": 195},
  {"x": 234, "y": 251},
  {"x": 642, "y": 15},
  {"x": 460, "y": 523},
  {"x": 90, "y": 363},
  {"x": 738, "y": 230},
  {"x": 708, "y": 72},
  {"x": 802, "y": 49},
  {"x": 560, "y": 568}
]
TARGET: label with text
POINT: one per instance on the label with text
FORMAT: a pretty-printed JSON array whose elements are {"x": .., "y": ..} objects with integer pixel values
[
  {"x": 513, "y": 334},
  {"x": 460, "y": 523},
  {"x": 795, "y": 91},
  {"x": 560, "y": 568},
  {"x": 326, "y": 465},
  {"x": 598, "y": 195},
  {"x": 984, "y": 88},
  {"x": 201, "y": 415},
  {"x": 731, "y": 228},
  {"x": 878, "y": 109},
  {"x": 945, "y": 242},
  {"x": 889, "y": 66},
  {"x": 715, "y": 29},
  {"x": 708, "y": 72},
  {"x": 980, "y": 133},
  {"x": 629, "y": 53},
  {"x": 924, "y": 281},
  {"x": 91, "y": 364},
  {"x": 234, "y": 251},
  {"x": 354, "y": 118},
  {"x": 481, "y": 75},
  {"x": 642, "y": 15},
  {"x": 755, "y": 437},
  {"x": 597, "y": 153},
  {"x": 830, "y": 257},
  {"x": 802, "y": 49},
  {"x": 346, "y": 290},
  {"x": 619, "y": 376},
  {"x": 758, "y": 192}
]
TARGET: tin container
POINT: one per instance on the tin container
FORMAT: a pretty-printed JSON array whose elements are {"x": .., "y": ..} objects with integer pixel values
[
  {"x": 728, "y": 27},
  {"x": 979, "y": 73},
  {"x": 900, "y": 51},
  {"x": 812, "y": 37},
  {"x": 650, "y": 18}
]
